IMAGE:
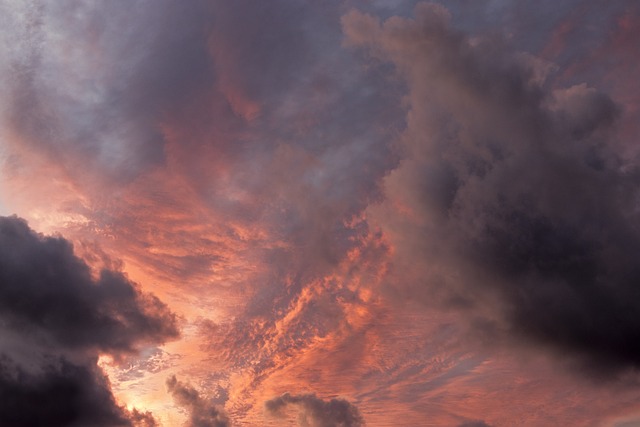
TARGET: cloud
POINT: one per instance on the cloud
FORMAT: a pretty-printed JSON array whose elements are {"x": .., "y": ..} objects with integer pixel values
[
  {"x": 514, "y": 187},
  {"x": 202, "y": 113},
  {"x": 315, "y": 412},
  {"x": 474, "y": 424},
  {"x": 56, "y": 319},
  {"x": 62, "y": 394},
  {"x": 261, "y": 175},
  {"x": 89, "y": 91},
  {"x": 142, "y": 419},
  {"x": 198, "y": 121},
  {"x": 48, "y": 294},
  {"x": 201, "y": 412}
]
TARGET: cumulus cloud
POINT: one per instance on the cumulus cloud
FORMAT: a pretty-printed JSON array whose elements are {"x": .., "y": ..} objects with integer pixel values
[
  {"x": 48, "y": 294},
  {"x": 61, "y": 394},
  {"x": 142, "y": 419},
  {"x": 316, "y": 412},
  {"x": 56, "y": 319},
  {"x": 202, "y": 413},
  {"x": 512, "y": 188}
]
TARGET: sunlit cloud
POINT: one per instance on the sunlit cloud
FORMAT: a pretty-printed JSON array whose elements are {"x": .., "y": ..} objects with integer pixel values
[{"x": 337, "y": 213}]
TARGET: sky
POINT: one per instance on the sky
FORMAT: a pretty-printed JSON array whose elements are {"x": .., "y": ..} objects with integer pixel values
[{"x": 319, "y": 213}]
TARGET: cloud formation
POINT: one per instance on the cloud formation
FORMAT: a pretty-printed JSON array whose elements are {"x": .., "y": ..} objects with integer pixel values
[
  {"x": 48, "y": 293},
  {"x": 344, "y": 206},
  {"x": 60, "y": 394},
  {"x": 315, "y": 412},
  {"x": 201, "y": 412},
  {"x": 105, "y": 115},
  {"x": 56, "y": 319},
  {"x": 514, "y": 181}
]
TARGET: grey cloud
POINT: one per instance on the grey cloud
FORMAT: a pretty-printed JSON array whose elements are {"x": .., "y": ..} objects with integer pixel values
[
  {"x": 60, "y": 394},
  {"x": 202, "y": 413},
  {"x": 88, "y": 83},
  {"x": 261, "y": 48},
  {"x": 48, "y": 293},
  {"x": 95, "y": 85},
  {"x": 55, "y": 320},
  {"x": 104, "y": 88},
  {"x": 517, "y": 187},
  {"x": 142, "y": 419},
  {"x": 316, "y": 412}
]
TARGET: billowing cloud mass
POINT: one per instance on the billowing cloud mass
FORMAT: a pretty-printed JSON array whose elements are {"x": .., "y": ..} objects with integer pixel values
[
  {"x": 517, "y": 183},
  {"x": 66, "y": 394},
  {"x": 426, "y": 208},
  {"x": 55, "y": 321},
  {"x": 315, "y": 412},
  {"x": 201, "y": 412},
  {"x": 48, "y": 293}
]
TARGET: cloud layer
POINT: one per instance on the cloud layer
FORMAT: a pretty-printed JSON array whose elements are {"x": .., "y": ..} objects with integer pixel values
[{"x": 426, "y": 208}]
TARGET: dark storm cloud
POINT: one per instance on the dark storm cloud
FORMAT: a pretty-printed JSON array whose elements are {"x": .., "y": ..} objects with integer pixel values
[
  {"x": 60, "y": 394},
  {"x": 55, "y": 320},
  {"x": 517, "y": 187},
  {"x": 47, "y": 293},
  {"x": 315, "y": 412},
  {"x": 201, "y": 412}
]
